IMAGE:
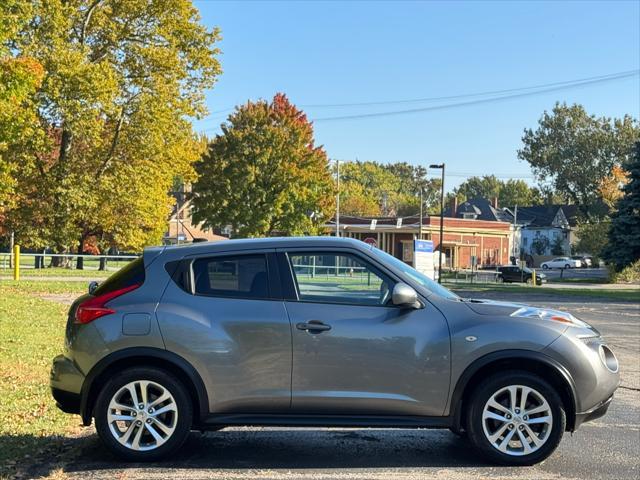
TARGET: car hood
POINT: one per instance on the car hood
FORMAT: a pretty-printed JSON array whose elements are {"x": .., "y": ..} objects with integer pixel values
[{"x": 492, "y": 307}]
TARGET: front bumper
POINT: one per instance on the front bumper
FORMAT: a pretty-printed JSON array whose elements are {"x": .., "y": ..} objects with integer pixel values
[{"x": 593, "y": 413}]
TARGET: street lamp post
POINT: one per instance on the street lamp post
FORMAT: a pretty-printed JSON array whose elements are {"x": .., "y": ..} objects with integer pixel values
[{"x": 440, "y": 166}]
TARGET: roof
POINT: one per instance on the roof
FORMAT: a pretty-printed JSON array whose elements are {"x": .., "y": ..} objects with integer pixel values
[
  {"x": 482, "y": 208},
  {"x": 257, "y": 243},
  {"x": 546, "y": 215}
]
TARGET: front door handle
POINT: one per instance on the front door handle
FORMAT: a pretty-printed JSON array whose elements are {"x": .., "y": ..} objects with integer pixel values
[{"x": 313, "y": 326}]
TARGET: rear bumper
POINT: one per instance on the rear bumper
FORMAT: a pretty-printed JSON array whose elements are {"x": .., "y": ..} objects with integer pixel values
[
  {"x": 66, "y": 384},
  {"x": 68, "y": 402},
  {"x": 593, "y": 413}
]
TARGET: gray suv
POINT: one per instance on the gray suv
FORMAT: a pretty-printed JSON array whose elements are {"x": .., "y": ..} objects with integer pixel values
[{"x": 320, "y": 332}]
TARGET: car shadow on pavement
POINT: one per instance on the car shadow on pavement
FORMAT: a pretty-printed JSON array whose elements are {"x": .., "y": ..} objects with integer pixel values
[{"x": 285, "y": 449}]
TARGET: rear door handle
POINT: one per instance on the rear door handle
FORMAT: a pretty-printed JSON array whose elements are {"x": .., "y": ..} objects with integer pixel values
[{"x": 313, "y": 326}]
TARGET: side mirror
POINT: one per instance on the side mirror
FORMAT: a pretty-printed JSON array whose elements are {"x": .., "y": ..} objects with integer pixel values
[
  {"x": 404, "y": 296},
  {"x": 92, "y": 287}
]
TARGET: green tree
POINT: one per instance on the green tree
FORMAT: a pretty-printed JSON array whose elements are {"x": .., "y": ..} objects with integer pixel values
[
  {"x": 518, "y": 192},
  {"x": 264, "y": 174},
  {"x": 122, "y": 81},
  {"x": 509, "y": 193},
  {"x": 623, "y": 248},
  {"x": 592, "y": 237},
  {"x": 572, "y": 151},
  {"x": 557, "y": 247},
  {"x": 372, "y": 188}
]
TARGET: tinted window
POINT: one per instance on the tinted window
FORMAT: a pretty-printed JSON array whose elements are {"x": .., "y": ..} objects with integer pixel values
[
  {"x": 242, "y": 276},
  {"x": 131, "y": 274},
  {"x": 339, "y": 278}
]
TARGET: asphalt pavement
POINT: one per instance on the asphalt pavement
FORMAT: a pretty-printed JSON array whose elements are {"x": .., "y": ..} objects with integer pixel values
[{"x": 608, "y": 448}]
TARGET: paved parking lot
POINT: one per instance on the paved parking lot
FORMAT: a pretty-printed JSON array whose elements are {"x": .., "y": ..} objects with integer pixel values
[{"x": 607, "y": 448}]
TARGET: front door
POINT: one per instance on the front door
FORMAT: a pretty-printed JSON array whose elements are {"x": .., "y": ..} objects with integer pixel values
[{"x": 353, "y": 351}]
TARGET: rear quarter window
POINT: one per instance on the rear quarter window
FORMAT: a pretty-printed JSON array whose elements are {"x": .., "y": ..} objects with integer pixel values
[{"x": 130, "y": 274}]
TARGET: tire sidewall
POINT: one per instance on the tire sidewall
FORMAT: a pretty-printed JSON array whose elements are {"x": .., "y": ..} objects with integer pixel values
[
  {"x": 488, "y": 388},
  {"x": 168, "y": 381}
]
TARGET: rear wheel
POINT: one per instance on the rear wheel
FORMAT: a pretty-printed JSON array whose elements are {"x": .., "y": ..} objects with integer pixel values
[
  {"x": 516, "y": 418},
  {"x": 143, "y": 414},
  {"x": 545, "y": 266}
]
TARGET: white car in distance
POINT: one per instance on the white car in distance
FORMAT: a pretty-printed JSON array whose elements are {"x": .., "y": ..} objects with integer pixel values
[{"x": 561, "y": 262}]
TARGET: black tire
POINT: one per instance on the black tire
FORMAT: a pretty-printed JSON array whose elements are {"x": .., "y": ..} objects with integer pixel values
[
  {"x": 545, "y": 267},
  {"x": 480, "y": 396},
  {"x": 567, "y": 265},
  {"x": 182, "y": 424}
]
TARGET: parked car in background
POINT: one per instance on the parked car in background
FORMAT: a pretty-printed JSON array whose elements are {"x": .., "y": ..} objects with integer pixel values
[
  {"x": 561, "y": 262},
  {"x": 585, "y": 261},
  {"x": 517, "y": 274},
  {"x": 320, "y": 331}
]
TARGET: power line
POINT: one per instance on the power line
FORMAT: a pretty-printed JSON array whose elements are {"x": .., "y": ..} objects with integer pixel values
[
  {"x": 611, "y": 76},
  {"x": 476, "y": 102},
  {"x": 523, "y": 92}
]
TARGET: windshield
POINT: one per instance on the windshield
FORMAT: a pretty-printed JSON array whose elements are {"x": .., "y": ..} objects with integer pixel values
[{"x": 415, "y": 275}]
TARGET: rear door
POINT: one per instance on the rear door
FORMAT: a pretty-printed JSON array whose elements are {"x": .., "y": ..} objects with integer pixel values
[
  {"x": 224, "y": 313},
  {"x": 353, "y": 351}
]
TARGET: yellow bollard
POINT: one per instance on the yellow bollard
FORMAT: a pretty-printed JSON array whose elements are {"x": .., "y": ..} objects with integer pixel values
[
  {"x": 533, "y": 277},
  {"x": 16, "y": 262}
]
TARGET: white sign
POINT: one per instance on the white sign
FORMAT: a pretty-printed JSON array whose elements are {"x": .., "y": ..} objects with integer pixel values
[
  {"x": 399, "y": 223},
  {"x": 423, "y": 257},
  {"x": 374, "y": 222}
]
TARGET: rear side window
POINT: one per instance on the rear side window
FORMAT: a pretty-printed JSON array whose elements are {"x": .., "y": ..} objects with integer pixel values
[
  {"x": 130, "y": 274},
  {"x": 242, "y": 276}
]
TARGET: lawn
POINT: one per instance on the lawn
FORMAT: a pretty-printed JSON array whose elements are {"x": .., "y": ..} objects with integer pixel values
[
  {"x": 31, "y": 334},
  {"x": 61, "y": 272}
]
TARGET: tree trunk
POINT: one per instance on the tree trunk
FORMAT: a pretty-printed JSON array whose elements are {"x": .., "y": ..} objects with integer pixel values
[
  {"x": 103, "y": 264},
  {"x": 80, "y": 261}
]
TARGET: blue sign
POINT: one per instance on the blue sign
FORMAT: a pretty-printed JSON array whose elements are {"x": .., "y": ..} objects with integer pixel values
[{"x": 423, "y": 246}]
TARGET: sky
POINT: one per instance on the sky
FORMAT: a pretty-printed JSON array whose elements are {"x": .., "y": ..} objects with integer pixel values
[{"x": 327, "y": 53}]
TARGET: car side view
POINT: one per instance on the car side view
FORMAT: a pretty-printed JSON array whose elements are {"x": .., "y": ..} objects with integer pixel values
[
  {"x": 517, "y": 274},
  {"x": 320, "y": 331}
]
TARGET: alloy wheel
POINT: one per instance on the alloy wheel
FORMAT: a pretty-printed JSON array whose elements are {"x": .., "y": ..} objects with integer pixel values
[
  {"x": 517, "y": 420},
  {"x": 142, "y": 415}
]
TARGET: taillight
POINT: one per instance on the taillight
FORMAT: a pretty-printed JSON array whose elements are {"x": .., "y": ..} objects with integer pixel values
[{"x": 94, "y": 307}]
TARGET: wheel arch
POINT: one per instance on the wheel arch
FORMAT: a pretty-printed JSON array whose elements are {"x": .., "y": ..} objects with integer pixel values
[
  {"x": 526, "y": 360},
  {"x": 147, "y": 357}
]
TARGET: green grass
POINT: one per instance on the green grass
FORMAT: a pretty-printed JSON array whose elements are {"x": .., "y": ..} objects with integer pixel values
[
  {"x": 631, "y": 295},
  {"x": 579, "y": 280},
  {"x": 31, "y": 334},
  {"x": 58, "y": 272}
]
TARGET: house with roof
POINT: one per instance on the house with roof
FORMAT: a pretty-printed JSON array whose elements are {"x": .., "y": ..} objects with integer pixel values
[{"x": 545, "y": 230}]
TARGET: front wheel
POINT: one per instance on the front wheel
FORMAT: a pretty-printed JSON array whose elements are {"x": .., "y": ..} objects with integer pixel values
[
  {"x": 516, "y": 418},
  {"x": 545, "y": 267},
  {"x": 143, "y": 414},
  {"x": 567, "y": 266}
]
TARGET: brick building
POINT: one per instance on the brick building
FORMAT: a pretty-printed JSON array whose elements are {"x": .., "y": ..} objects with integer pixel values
[{"x": 488, "y": 240}]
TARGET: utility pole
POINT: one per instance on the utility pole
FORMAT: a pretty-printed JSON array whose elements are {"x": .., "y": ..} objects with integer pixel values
[
  {"x": 440, "y": 166},
  {"x": 338, "y": 201},
  {"x": 421, "y": 202}
]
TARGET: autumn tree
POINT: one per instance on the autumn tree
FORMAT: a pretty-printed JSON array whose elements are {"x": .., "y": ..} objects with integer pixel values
[
  {"x": 373, "y": 189},
  {"x": 122, "y": 81},
  {"x": 20, "y": 77},
  {"x": 264, "y": 174},
  {"x": 572, "y": 151}
]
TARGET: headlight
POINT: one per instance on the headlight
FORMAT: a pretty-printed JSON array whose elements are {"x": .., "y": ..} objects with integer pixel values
[{"x": 547, "y": 314}]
